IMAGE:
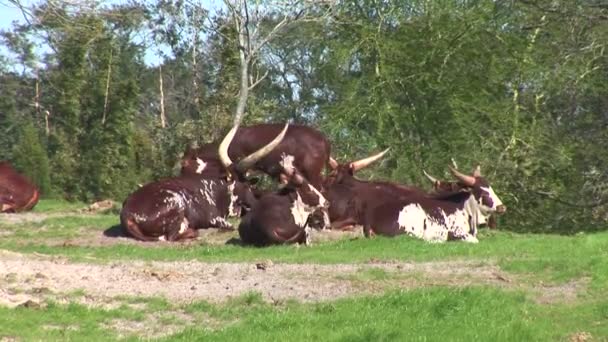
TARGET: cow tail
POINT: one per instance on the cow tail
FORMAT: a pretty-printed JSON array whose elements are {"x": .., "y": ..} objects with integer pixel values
[
  {"x": 33, "y": 201},
  {"x": 133, "y": 229}
]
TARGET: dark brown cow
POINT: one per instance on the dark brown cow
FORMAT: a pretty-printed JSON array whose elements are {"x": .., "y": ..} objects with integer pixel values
[
  {"x": 174, "y": 208},
  {"x": 438, "y": 218},
  {"x": 309, "y": 148},
  {"x": 348, "y": 195},
  {"x": 17, "y": 193},
  {"x": 283, "y": 217}
]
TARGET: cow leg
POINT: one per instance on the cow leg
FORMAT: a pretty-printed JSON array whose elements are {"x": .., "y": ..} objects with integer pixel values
[
  {"x": 179, "y": 234},
  {"x": 368, "y": 231},
  {"x": 222, "y": 224},
  {"x": 346, "y": 224}
]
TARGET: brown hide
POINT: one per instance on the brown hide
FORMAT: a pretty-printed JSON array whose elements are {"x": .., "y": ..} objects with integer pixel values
[
  {"x": 17, "y": 193},
  {"x": 161, "y": 209},
  {"x": 272, "y": 220},
  {"x": 348, "y": 195},
  {"x": 309, "y": 147}
]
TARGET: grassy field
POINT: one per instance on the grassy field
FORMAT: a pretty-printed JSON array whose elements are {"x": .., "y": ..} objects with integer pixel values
[{"x": 472, "y": 312}]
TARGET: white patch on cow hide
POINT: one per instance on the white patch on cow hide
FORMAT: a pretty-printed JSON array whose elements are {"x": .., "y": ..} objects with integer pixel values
[
  {"x": 201, "y": 165},
  {"x": 307, "y": 235},
  {"x": 323, "y": 204},
  {"x": 287, "y": 161},
  {"x": 219, "y": 222},
  {"x": 138, "y": 218},
  {"x": 176, "y": 200},
  {"x": 207, "y": 191},
  {"x": 300, "y": 211},
  {"x": 495, "y": 200},
  {"x": 162, "y": 238},
  {"x": 184, "y": 226},
  {"x": 233, "y": 209},
  {"x": 413, "y": 219}
]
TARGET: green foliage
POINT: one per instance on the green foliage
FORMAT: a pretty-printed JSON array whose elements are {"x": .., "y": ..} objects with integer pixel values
[
  {"x": 518, "y": 87},
  {"x": 31, "y": 159}
]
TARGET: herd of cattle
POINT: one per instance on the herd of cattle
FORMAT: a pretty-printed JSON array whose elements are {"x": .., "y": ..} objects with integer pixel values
[{"x": 317, "y": 192}]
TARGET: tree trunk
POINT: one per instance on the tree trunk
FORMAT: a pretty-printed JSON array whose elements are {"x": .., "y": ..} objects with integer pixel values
[{"x": 163, "y": 119}]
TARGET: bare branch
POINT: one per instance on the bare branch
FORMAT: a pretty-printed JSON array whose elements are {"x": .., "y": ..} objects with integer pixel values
[{"x": 258, "y": 80}]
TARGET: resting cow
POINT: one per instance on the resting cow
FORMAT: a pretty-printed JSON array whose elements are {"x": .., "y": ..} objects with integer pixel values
[
  {"x": 283, "y": 217},
  {"x": 438, "y": 218},
  {"x": 17, "y": 193},
  {"x": 174, "y": 208},
  {"x": 347, "y": 195},
  {"x": 309, "y": 148}
]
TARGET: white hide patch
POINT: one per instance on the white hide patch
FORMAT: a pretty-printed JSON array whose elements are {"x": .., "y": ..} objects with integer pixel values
[
  {"x": 184, "y": 226},
  {"x": 287, "y": 161},
  {"x": 322, "y": 204},
  {"x": 207, "y": 191},
  {"x": 219, "y": 222},
  {"x": 495, "y": 200},
  {"x": 176, "y": 200},
  {"x": 300, "y": 211},
  {"x": 162, "y": 238},
  {"x": 233, "y": 209},
  {"x": 201, "y": 165},
  {"x": 415, "y": 221}
]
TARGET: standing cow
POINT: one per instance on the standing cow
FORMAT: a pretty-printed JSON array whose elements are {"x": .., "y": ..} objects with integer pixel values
[
  {"x": 309, "y": 148},
  {"x": 174, "y": 208},
  {"x": 438, "y": 218},
  {"x": 17, "y": 193},
  {"x": 283, "y": 217}
]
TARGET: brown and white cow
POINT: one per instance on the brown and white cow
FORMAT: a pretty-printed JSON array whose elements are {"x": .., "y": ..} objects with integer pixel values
[
  {"x": 348, "y": 195},
  {"x": 437, "y": 218},
  {"x": 283, "y": 217},
  {"x": 174, "y": 208},
  {"x": 440, "y": 186},
  {"x": 17, "y": 192},
  {"x": 309, "y": 148}
]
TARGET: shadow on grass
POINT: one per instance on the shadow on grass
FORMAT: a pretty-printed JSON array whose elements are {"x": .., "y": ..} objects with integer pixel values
[{"x": 115, "y": 231}]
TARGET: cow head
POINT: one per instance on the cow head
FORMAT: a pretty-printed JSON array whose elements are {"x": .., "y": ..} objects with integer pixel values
[
  {"x": 306, "y": 198},
  {"x": 341, "y": 172},
  {"x": 480, "y": 188},
  {"x": 241, "y": 194}
]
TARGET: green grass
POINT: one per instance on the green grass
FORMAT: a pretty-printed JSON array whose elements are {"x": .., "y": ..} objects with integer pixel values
[
  {"x": 430, "y": 314},
  {"x": 435, "y": 314},
  {"x": 55, "y": 205}
]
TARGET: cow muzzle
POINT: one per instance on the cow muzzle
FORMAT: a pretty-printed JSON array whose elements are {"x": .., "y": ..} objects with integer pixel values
[{"x": 501, "y": 209}]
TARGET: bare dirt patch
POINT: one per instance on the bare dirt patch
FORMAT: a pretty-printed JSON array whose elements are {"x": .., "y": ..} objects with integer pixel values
[{"x": 37, "y": 278}]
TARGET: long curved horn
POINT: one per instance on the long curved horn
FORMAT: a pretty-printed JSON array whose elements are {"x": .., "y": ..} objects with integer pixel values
[
  {"x": 467, "y": 180},
  {"x": 360, "y": 164},
  {"x": 253, "y": 158},
  {"x": 431, "y": 178},
  {"x": 333, "y": 164},
  {"x": 223, "y": 149}
]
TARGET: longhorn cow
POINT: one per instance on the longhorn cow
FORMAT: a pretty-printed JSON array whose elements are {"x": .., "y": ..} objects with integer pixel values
[
  {"x": 348, "y": 196},
  {"x": 438, "y": 218},
  {"x": 309, "y": 148},
  {"x": 283, "y": 217},
  {"x": 174, "y": 208},
  {"x": 17, "y": 192}
]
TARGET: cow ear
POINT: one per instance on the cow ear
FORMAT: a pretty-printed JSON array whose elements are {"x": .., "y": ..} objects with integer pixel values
[{"x": 477, "y": 171}]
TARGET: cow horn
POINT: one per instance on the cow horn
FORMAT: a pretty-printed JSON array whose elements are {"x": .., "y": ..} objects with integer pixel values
[
  {"x": 253, "y": 158},
  {"x": 223, "y": 149},
  {"x": 333, "y": 164},
  {"x": 477, "y": 171},
  {"x": 431, "y": 178},
  {"x": 360, "y": 164},
  {"x": 467, "y": 180}
]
